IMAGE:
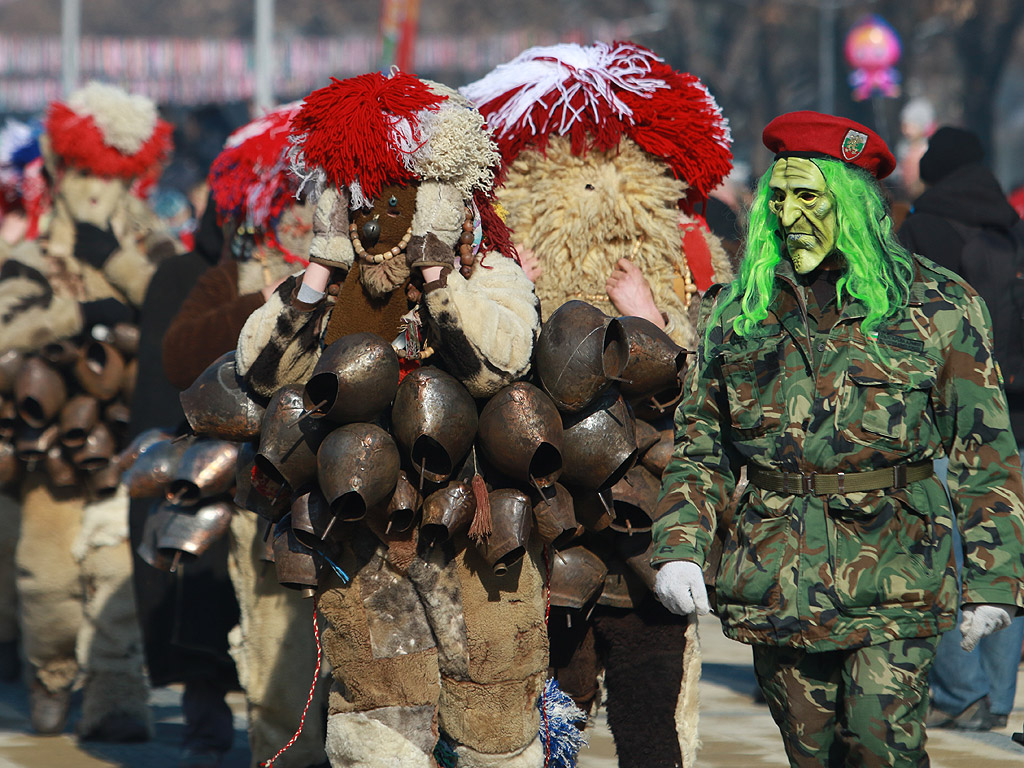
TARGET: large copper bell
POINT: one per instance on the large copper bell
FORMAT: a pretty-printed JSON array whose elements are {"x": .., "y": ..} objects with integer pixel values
[
  {"x": 656, "y": 457},
  {"x": 118, "y": 417},
  {"x": 647, "y": 436},
  {"x": 206, "y": 469},
  {"x": 8, "y": 419},
  {"x": 61, "y": 472},
  {"x": 77, "y": 418},
  {"x": 446, "y": 512},
  {"x": 104, "y": 481},
  {"x": 577, "y": 575},
  {"x": 637, "y": 551},
  {"x": 595, "y": 510},
  {"x": 655, "y": 361},
  {"x": 139, "y": 444},
  {"x": 191, "y": 532},
  {"x": 520, "y": 433},
  {"x": 125, "y": 337},
  {"x": 297, "y": 566},
  {"x": 10, "y": 466},
  {"x": 32, "y": 444},
  {"x": 511, "y": 518},
  {"x": 97, "y": 451},
  {"x": 39, "y": 392},
  {"x": 554, "y": 516},
  {"x": 635, "y": 497},
  {"x": 599, "y": 443},
  {"x": 269, "y": 503},
  {"x": 218, "y": 405},
  {"x": 10, "y": 363},
  {"x": 289, "y": 440},
  {"x": 311, "y": 516},
  {"x": 357, "y": 466},
  {"x": 100, "y": 369},
  {"x": 402, "y": 508},
  {"x": 147, "y": 550},
  {"x": 152, "y": 471},
  {"x": 354, "y": 380},
  {"x": 579, "y": 353},
  {"x": 434, "y": 421}
]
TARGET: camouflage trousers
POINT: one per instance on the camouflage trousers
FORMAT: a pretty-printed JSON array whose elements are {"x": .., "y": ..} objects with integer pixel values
[{"x": 862, "y": 707}]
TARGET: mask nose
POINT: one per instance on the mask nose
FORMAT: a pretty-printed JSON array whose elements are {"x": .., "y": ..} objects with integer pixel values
[{"x": 789, "y": 213}]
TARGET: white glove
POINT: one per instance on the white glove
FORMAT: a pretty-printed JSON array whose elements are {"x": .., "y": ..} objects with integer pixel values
[
  {"x": 978, "y": 620},
  {"x": 679, "y": 586}
]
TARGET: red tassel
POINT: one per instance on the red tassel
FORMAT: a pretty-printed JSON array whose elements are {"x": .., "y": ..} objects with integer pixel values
[{"x": 482, "y": 525}]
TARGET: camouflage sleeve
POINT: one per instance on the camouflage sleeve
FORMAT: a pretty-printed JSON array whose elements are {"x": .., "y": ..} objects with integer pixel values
[
  {"x": 698, "y": 481},
  {"x": 984, "y": 465}
]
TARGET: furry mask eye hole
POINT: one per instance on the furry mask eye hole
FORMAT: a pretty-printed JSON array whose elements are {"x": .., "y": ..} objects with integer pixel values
[
  {"x": 392, "y": 201},
  {"x": 589, "y": 186}
]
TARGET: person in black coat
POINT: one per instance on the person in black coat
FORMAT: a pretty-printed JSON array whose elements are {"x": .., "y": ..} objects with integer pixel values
[
  {"x": 186, "y": 615},
  {"x": 969, "y": 691}
]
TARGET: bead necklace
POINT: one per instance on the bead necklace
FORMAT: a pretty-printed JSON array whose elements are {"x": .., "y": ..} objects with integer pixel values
[{"x": 377, "y": 258}]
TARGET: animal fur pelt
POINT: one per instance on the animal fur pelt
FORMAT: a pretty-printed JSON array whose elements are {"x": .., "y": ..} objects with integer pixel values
[{"x": 581, "y": 214}]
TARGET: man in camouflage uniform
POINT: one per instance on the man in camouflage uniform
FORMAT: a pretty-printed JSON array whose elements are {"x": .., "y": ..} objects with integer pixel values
[{"x": 835, "y": 369}]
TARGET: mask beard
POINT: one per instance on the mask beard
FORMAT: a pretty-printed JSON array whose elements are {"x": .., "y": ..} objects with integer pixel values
[{"x": 381, "y": 279}]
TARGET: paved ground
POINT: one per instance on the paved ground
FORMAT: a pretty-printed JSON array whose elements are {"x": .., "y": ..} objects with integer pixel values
[{"x": 735, "y": 732}]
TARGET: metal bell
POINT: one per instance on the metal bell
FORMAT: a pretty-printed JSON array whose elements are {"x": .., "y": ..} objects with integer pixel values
[
  {"x": 10, "y": 466},
  {"x": 60, "y": 354},
  {"x": 311, "y": 516},
  {"x": 61, "y": 472},
  {"x": 403, "y": 506},
  {"x": 32, "y": 444},
  {"x": 206, "y": 469},
  {"x": 8, "y": 419},
  {"x": 577, "y": 575},
  {"x": 97, "y": 451},
  {"x": 218, "y": 403},
  {"x": 105, "y": 481},
  {"x": 192, "y": 532},
  {"x": 580, "y": 351},
  {"x": 297, "y": 566},
  {"x": 511, "y": 519},
  {"x": 655, "y": 362},
  {"x": 599, "y": 443},
  {"x": 150, "y": 473},
  {"x": 647, "y": 436},
  {"x": 635, "y": 497},
  {"x": 39, "y": 392},
  {"x": 355, "y": 379},
  {"x": 656, "y": 457},
  {"x": 77, "y": 418},
  {"x": 434, "y": 421},
  {"x": 357, "y": 466},
  {"x": 270, "y": 503},
  {"x": 289, "y": 441},
  {"x": 125, "y": 337},
  {"x": 140, "y": 443},
  {"x": 594, "y": 510},
  {"x": 446, "y": 512},
  {"x": 520, "y": 433},
  {"x": 146, "y": 549},
  {"x": 100, "y": 369},
  {"x": 554, "y": 516}
]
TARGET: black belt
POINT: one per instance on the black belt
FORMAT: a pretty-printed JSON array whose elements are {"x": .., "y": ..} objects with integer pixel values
[{"x": 821, "y": 484}]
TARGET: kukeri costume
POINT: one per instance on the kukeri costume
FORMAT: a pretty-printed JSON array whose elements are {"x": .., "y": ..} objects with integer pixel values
[
  {"x": 68, "y": 306},
  {"x": 835, "y": 368},
  {"x": 399, "y": 169},
  {"x": 605, "y": 151}
]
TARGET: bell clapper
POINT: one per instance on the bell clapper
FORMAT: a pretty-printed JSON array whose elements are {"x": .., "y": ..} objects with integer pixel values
[
  {"x": 568, "y": 620},
  {"x": 330, "y": 525},
  {"x": 175, "y": 561}
]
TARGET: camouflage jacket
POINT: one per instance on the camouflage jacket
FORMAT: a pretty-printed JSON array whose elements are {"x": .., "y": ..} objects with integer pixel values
[{"x": 840, "y": 571}]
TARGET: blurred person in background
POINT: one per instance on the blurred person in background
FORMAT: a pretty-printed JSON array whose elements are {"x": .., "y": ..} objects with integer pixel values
[
  {"x": 253, "y": 196},
  {"x": 84, "y": 278},
  {"x": 964, "y": 222}
]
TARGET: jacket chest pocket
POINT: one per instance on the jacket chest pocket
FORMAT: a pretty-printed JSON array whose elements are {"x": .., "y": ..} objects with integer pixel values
[
  {"x": 752, "y": 381},
  {"x": 884, "y": 405}
]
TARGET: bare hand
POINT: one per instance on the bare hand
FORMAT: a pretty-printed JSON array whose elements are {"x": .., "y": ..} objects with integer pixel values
[
  {"x": 631, "y": 294},
  {"x": 530, "y": 262}
]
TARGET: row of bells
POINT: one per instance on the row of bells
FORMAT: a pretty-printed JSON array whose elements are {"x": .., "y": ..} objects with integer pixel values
[
  {"x": 65, "y": 410},
  {"x": 354, "y": 444}
]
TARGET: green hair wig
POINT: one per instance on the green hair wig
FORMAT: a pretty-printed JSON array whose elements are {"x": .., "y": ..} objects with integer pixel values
[{"x": 879, "y": 270}]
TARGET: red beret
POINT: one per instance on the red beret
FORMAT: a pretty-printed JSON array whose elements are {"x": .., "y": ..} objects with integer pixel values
[{"x": 813, "y": 134}]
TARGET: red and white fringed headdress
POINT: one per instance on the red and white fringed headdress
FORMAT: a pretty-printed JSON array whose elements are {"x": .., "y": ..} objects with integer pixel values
[
  {"x": 108, "y": 132},
  {"x": 250, "y": 179},
  {"x": 596, "y": 95},
  {"x": 366, "y": 132}
]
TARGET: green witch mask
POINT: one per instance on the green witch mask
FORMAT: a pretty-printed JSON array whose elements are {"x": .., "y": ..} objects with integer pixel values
[{"x": 807, "y": 218}]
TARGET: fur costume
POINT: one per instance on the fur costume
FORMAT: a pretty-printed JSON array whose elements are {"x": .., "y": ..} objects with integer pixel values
[
  {"x": 424, "y": 642},
  {"x": 95, "y": 146},
  {"x": 606, "y": 151}
]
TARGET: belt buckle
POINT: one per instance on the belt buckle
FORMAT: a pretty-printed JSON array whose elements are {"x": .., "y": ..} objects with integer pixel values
[
  {"x": 807, "y": 484},
  {"x": 899, "y": 476}
]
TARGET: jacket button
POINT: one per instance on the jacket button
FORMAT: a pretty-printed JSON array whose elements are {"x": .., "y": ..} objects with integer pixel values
[{"x": 821, "y": 347}]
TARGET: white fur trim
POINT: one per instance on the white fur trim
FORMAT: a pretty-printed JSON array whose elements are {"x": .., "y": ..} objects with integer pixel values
[
  {"x": 355, "y": 740},
  {"x": 125, "y": 120},
  {"x": 256, "y": 333},
  {"x": 530, "y": 756},
  {"x": 104, "y": 524},
  {"x": 439, "y": 209},
  {"x": 688, "y": 702}
]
